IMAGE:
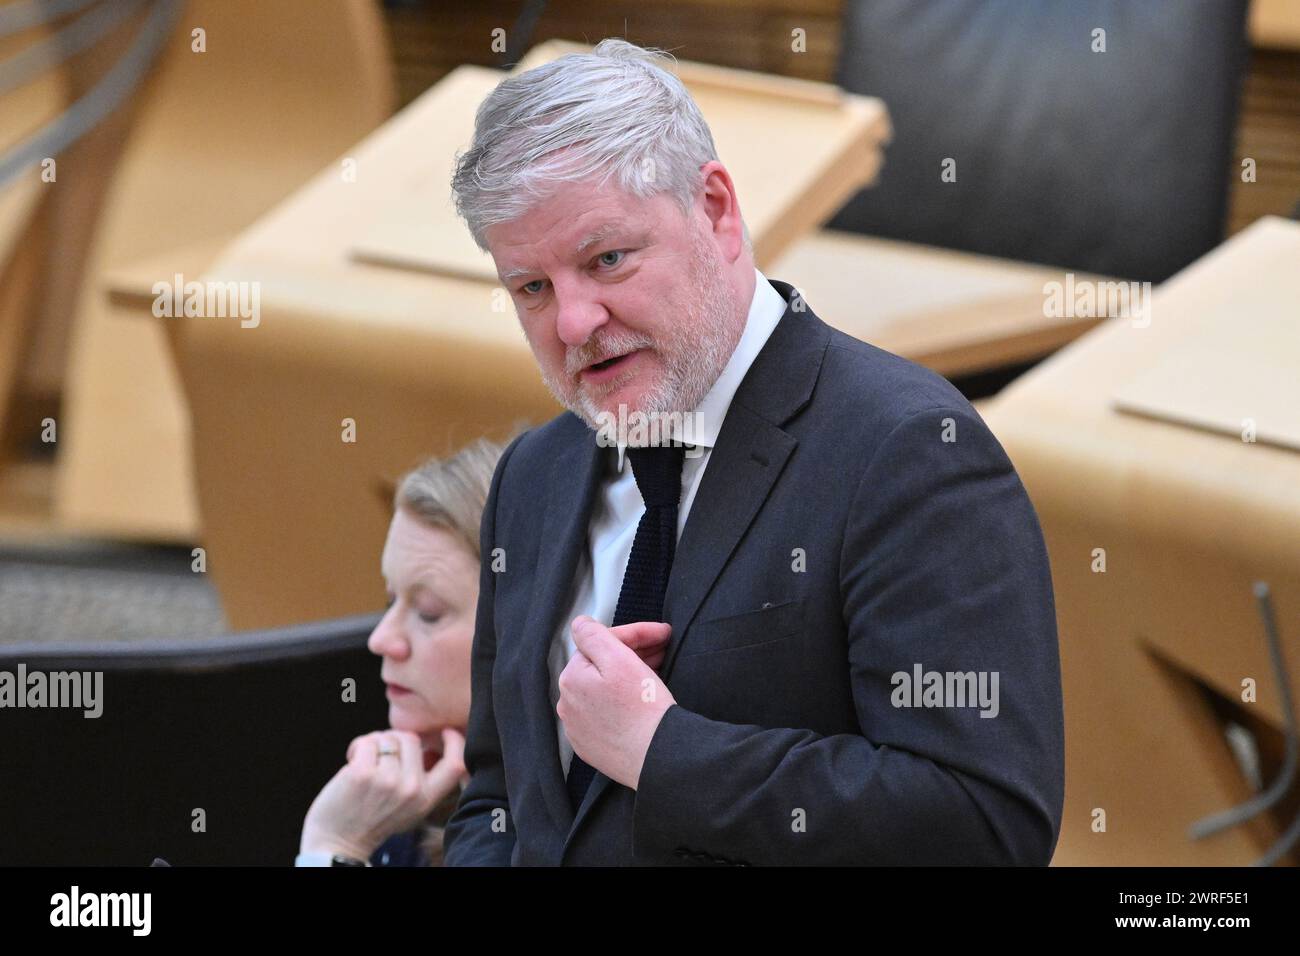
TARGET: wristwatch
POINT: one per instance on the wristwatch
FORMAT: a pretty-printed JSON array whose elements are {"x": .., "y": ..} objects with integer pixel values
[{"x": 322, "y": 858}]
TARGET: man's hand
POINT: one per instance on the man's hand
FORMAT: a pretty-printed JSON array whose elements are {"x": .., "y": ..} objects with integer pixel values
[
  {"x": 373, "y": 796},
  {"x": 648, "y": 638},
  {"x": 611, "y": 701}
]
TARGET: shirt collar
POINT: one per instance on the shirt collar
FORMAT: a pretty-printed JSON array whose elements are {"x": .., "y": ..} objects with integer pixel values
[{"x": 765, "y": 310}]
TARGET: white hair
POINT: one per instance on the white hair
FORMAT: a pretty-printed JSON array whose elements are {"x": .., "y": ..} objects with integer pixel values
[{"x": 616, "y": 111}]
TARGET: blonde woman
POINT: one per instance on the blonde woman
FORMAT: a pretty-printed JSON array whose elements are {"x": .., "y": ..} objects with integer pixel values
[{"x": 386, "y": 805}]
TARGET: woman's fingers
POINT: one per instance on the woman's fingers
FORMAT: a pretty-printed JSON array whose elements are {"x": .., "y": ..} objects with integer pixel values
[
  {"x": 382, "y": 790},
  {"x": 352, "y": 747},
  {"x": 364, "y": 751},
  {"x": 412, "y": 767},
  {"x": 390, "y": 760},
  {"x": 453, "y": 748},
  {"x": 444, "y": 775}
]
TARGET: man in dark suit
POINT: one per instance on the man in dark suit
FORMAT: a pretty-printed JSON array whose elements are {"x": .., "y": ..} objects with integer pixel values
[{"x": 823, "y": 633}]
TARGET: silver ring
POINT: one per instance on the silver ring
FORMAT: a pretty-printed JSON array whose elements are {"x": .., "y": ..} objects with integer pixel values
[{"x": 385, "y": 752}]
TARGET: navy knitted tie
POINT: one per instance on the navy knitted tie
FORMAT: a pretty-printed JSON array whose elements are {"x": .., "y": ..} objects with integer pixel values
[{"x": 658, "y": 473}]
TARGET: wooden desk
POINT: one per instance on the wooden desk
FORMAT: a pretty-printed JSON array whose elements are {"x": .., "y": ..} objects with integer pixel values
[
  {"x": 954, "y": 312},
  {"x": 1275, "y": 23},
  {"x": 1188, "y": 519}
]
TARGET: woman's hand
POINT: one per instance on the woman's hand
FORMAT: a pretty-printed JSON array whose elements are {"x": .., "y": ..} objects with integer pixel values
[{"x": 375, "y": 795}]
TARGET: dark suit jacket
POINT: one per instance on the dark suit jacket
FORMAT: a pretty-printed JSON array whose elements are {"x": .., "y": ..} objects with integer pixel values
[
  {"x": 409, "y": 848},
  {"x": 400, "y": 849},
  {"x": 836, "y": 539}
]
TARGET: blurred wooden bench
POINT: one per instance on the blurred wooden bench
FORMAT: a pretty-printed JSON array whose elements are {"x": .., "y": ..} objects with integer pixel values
[
  {"x": 220, "y": 137},
  {"x": 1189, "y": 516},
  {"x": 955, "y": 312},
  {"x": 26, "y": 211}
]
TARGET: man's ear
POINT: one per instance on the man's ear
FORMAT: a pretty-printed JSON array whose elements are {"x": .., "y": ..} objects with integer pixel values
[{"x": 722, "y": 208}]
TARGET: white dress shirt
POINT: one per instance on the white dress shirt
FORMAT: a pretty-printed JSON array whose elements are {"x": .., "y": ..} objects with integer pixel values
[{"x": 618, "y": 507}]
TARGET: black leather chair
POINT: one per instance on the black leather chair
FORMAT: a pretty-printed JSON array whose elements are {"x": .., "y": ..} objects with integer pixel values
[
  {"x": 246, "y": 727},
  {"x": 1114, "y": 162}
]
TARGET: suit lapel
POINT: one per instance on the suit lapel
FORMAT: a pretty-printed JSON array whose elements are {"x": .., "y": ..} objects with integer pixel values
[
  {"x": 568, "y": 495},
  {"x": 742, "y": 469},
  {"x": 745, "y": 464}
]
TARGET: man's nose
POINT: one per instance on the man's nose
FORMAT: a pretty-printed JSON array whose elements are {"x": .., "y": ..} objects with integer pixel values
[{"x": 578, "y": 315}]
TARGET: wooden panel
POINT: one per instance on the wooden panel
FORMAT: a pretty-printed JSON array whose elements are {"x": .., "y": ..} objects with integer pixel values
[
  {"x": 433, "y": 37},
  {"x": 1268, "y": 131}
]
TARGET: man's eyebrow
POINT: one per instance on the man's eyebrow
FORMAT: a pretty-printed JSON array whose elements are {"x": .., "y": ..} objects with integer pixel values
[
  {"x": 599, "y": 235},
  {"x": 514, "y": 274}
]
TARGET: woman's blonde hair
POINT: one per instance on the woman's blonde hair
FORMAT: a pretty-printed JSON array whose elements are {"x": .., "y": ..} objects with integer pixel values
[{"x": 449, "y": 493}]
